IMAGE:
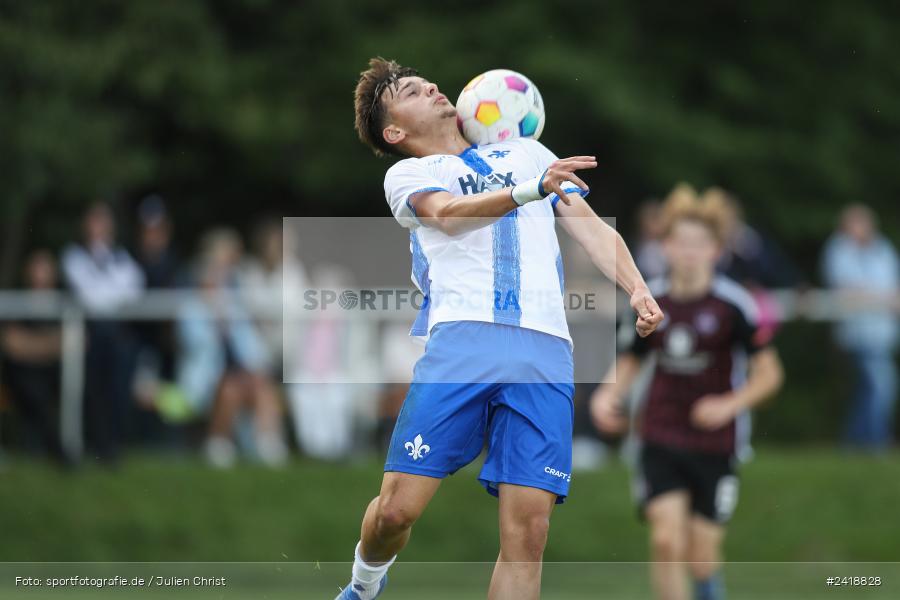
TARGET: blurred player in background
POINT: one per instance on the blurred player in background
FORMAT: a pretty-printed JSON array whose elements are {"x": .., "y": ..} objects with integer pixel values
[
  {"x": 695, "y": 418},
  {"x": 496, "y": 373}
]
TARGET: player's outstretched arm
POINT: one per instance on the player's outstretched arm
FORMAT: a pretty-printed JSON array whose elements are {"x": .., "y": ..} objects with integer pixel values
[
  {"x": 610, "y": 254},
  {"x": 458, "y": 214},
  {"x": 608, "y": 410}
]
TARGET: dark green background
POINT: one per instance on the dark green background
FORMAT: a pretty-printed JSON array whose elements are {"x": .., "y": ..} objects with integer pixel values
[{"x": 246, "y": 106}]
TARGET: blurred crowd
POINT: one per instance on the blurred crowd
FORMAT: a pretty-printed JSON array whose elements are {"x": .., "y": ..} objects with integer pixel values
[{"x": 211, "y": 379}]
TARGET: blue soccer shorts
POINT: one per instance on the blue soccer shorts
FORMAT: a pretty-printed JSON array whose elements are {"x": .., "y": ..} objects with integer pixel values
[{"x": 479, "y": 385}]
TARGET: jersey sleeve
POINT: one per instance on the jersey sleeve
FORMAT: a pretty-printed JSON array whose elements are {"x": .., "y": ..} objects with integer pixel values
[
  {"x": 543, "y": 157},
  {"x": 402, "y": 183},
  {"x": 629, "y": 342},
  {"x": 750, "y": 336},
  {"x": 748, "y": 332}
]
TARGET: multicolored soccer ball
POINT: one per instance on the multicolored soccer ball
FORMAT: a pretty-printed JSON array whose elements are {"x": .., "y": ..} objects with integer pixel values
[{"x": 500, "y": 105}]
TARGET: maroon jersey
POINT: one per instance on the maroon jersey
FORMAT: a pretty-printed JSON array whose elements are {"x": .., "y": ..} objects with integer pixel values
[{"x": 701, "y": 348}]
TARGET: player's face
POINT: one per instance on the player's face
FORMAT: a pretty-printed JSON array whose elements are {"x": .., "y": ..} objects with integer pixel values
[
  {"x": 691, "y": 249},
  {"x": 413, "y": 106}
]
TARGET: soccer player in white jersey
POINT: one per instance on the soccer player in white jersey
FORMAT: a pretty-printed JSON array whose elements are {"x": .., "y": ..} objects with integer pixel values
[{"x": 497, "y": 369}]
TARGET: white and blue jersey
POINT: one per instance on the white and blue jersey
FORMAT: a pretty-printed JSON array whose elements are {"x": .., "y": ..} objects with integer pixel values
[
  {"x": 509, "y": 272},
  {"x": 497, "y": 370}
]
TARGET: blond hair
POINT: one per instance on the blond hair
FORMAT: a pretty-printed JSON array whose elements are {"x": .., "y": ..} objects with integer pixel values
[{"x": 684, "y": 204}]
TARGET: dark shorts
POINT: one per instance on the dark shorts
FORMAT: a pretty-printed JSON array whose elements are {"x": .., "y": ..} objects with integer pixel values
[{"x": 710, "y": 480}]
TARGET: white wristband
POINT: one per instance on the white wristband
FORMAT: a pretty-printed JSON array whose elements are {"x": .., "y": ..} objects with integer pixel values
[{"x": 529, "y": 191}]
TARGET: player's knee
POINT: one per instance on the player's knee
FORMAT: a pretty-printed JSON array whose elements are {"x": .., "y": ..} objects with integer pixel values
[
  {"x": 393, "y": 518},
  {"x": 527, "y": 537},
  {"x": 667, "y": 545}
]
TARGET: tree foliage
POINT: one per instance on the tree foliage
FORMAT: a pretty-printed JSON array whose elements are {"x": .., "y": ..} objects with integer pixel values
[{"x": 234, "y": 108}]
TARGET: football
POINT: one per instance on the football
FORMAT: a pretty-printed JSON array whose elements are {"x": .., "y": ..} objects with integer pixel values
[{"x": 500, "y": 105}]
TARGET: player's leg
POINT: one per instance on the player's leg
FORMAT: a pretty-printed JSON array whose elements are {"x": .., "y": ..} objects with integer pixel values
[
  {"x": 705, "y": 555},
  {"x": 668, "y": 515},
  {"x": 385, "y": 530},
  {"x": 390, "y": 515},
  {"x": 714, "y": 495},
  {"x": 663, "y": 492},
  {"x": 524, "y": 525},
  {"x": 528, "y": 465},
  {"x": 439, "y": 430}
]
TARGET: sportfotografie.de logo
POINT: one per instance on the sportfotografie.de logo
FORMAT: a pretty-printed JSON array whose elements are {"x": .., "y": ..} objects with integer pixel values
[{"x": 397, "y": 299}]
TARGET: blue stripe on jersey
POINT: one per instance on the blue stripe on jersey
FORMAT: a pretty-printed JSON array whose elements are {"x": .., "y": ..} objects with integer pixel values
[
  {"x": 560, "y": 274},
  {"x": 507, "y": 253},
  {"x": 475, "y": 162},
  {"x": 420, "y": 273},
  {"x": 507, "y": 270}
]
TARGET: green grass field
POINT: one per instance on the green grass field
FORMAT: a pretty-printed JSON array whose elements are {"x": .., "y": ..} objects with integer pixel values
[{"x": 796, "y": 508}]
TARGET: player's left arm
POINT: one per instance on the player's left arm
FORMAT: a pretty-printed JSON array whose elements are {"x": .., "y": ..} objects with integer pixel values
[
  {"x": 610, "y": 254},
  {"x": 764, "y": 377}
]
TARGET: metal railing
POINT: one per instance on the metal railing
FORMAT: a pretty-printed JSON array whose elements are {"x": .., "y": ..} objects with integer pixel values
[{"x": 163, "y": 305}]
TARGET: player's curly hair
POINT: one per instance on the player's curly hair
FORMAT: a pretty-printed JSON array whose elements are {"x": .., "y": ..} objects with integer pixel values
[
  {"x": 370, "y": 111},
  {"x": 709, "y": 209}
]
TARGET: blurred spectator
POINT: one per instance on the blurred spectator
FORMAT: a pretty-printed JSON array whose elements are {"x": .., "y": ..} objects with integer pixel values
[
  {"x": 648, "y": 250},
  {"x": 751, "y": 258},
  {"x": 863, "y": 264},
  {"x": 322, "y": 405},
  {"x": 399, "y": 354},
  {"x": 754, "y": 260},
  {"x": 155, "y": 253},
  {"x": 30, "y": 360},
  {"x": 223, "y": 364},
  {"x": 156, "y": 360},
  {"x": 104, "y": 276},
  {"x": 264, "y": 279}
]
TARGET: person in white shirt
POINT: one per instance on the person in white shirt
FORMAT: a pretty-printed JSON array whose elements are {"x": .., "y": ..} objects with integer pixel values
[
  {"x": 497, "y": 368},
  {"x": 103, "y": 276}
]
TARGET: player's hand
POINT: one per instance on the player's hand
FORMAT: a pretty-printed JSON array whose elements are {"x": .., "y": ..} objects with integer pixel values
[
  {"x": 714, "y": 411},
  {"x": 648, "y": 311},
  {"x": 563, "y": 171},
  {"x": 608, "y": 411}
]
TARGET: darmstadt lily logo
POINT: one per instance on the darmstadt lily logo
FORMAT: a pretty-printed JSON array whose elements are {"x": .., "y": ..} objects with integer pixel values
[{"x": 417, "y": 449}]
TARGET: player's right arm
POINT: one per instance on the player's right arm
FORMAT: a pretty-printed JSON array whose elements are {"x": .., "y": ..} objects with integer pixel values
[
  {"x": 608, "y": 410},
  {"x": 451, "y": 214},
  {"x": 411, "y": 190}
]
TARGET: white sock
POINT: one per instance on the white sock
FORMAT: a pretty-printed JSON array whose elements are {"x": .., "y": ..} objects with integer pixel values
[{"x": 366, "y": 574}]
